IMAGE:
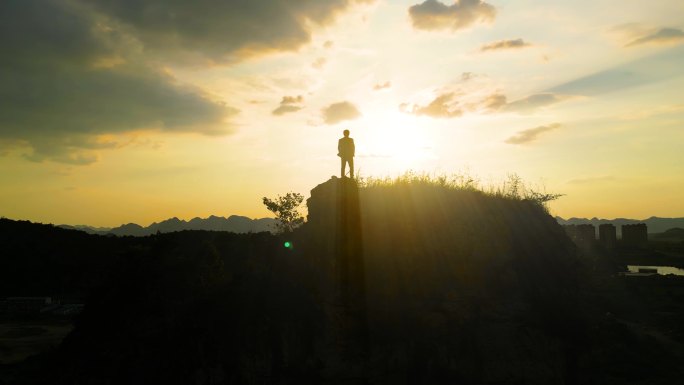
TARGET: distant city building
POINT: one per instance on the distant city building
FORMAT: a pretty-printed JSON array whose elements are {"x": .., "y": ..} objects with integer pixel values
[
  {"x": 39, "y": 305},
  {"x": 581, "y": 234},
  {"x": 635, "y": 235},
  {"x": 26, "y": 304},
  {"x": 608, "y": 235}
]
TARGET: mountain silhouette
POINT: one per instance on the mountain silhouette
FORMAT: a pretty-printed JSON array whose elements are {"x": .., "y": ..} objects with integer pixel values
[
  {"x": 233, "y": 223},
  {"x": 673, "y": 235}
]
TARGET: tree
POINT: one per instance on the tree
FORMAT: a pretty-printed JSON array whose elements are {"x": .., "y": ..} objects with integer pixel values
[{"x": 285, "y": 209}]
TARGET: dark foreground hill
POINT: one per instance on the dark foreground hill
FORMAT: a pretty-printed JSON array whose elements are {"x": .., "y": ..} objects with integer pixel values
[{"x": 388, "y": 284}]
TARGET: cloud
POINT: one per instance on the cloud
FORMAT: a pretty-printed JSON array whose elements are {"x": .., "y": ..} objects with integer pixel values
[
  {"x": 328, "y": 44},
  {"x": 645, "y": 113},
  {"x": 465, "y": 76},
  {"x": 533, "y": 102},
  {"x": 292, "y": 99},
  {"x": 592, "y": 180},
  {"x": 338, "y": 112},
  {"x": 494, "y": 102},
  {"x": 67, "y": 81},
  {"x": 530, "y": 135},
  {"x": 289, "y": 104},
  {"x": 319, "y": 63},
  {"x": 382, "y": 86},
  {"x": 661, "y": 36},
  {"x": 655, "y": 68},
  {"x": 505, "y": 44},
  {"x": 434, "y": 15},
  {"x": 220, "y": 31},
  {"x": 442, "y": 106},
  {"x": 446, "y": 105},
  {"x": 286, "y": 109},
  {"x": 498, "y": 102}
]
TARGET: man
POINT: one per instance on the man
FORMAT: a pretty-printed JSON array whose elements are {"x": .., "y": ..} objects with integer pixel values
[{"x": 345, "y": 150}]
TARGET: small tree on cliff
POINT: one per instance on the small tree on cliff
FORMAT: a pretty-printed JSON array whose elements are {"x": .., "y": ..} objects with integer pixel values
[{"x": 286, "y": 211}]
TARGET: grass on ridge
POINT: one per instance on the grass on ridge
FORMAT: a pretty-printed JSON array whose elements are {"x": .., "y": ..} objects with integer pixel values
[{"x": 511, "y": 188}]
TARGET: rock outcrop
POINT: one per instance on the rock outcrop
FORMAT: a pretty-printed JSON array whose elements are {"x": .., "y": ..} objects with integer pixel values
[{"x": 457, "y": 281}]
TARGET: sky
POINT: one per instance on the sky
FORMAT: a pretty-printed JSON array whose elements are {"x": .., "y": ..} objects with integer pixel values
[{"x": 119, "y": 111}]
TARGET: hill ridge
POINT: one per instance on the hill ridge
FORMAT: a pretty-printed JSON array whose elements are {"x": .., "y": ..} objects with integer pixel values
[{"x": 232, "y": 223}]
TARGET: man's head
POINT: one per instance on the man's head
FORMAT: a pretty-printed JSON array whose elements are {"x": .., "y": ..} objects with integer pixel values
[{"x": 346, "y": 133}]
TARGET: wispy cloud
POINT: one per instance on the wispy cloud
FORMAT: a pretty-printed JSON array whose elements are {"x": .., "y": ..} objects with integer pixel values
[
  {"x": 505, "y": 44},
  {"x": 534, "y": 102},
  {"x": 592, "y": 180},
  {"x": 530, "y": 135},
  {"x": 382, "y": 86},
  {"x": 289, "y": 104},
  {"x": 434, "y": 15},
  {"x": 494, "y": 102},
  {"x": 292, "y": 99},
  {"x": 661, "y": 36},
  {"x": 339, "y": 112},
  {"x": 443, "y": 106},
  {"x": 658, "y": 67},
  {"x": 465, "y": 76},
  {"x": 498, "y": 102},
  {"x": 650, "y": 112},
  {"x": 453, "y": 102},
  {"x": 285, "y": 109},
  {"x": 319, "y": 63}
]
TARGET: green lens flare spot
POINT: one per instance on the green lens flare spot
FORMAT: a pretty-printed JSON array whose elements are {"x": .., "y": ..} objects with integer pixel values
[{"x": 288, "y": 244}]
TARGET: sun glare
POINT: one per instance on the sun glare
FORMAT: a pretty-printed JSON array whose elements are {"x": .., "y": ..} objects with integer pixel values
[{"x": 397, "y": 141}]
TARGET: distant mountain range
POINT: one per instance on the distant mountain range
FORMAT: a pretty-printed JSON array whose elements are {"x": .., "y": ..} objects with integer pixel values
[
  {"x": 671, "y": 235},
  {"x": 240, "y": 224},
  {"x": 234, "y": 224},
  {"x": 654, "y": 224}
]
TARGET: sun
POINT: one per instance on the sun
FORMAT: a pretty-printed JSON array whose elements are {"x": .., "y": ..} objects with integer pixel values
[{"x": 395, "y": 142}]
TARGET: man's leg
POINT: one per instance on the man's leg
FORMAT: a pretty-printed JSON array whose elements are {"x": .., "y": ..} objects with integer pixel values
[
  {"x": 351, "y": 167},
  {"x": 342, "y": 167}
]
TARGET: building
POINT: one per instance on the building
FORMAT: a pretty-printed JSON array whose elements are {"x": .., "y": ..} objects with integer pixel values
[
  {"x": 608, "y": 235},
  {"x": 26, "y": 304},
  {"x": 635, "y": 235},
  {"x": 581, "y": 234}
]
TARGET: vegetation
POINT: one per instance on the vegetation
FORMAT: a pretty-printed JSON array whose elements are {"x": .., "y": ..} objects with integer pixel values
[
  {"x": 418, "y": 279},
  {"x": 286, "y": 210},
  {"x": 512, "y": 188}
]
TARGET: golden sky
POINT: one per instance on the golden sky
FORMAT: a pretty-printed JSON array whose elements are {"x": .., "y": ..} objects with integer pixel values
[{"x": 118, "y": 111}]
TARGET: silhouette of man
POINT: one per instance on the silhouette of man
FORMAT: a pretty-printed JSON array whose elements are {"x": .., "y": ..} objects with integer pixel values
[{"x": 345, "y": 150}]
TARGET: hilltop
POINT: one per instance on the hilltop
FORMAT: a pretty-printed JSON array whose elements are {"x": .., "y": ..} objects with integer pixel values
[{"x": 406, "y": 282}]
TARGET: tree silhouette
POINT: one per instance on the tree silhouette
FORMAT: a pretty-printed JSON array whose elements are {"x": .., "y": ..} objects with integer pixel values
[{"x": 285, "y": 209}]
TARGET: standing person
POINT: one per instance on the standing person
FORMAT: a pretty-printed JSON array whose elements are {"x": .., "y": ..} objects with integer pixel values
[{"x": 345, "y": 150}]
